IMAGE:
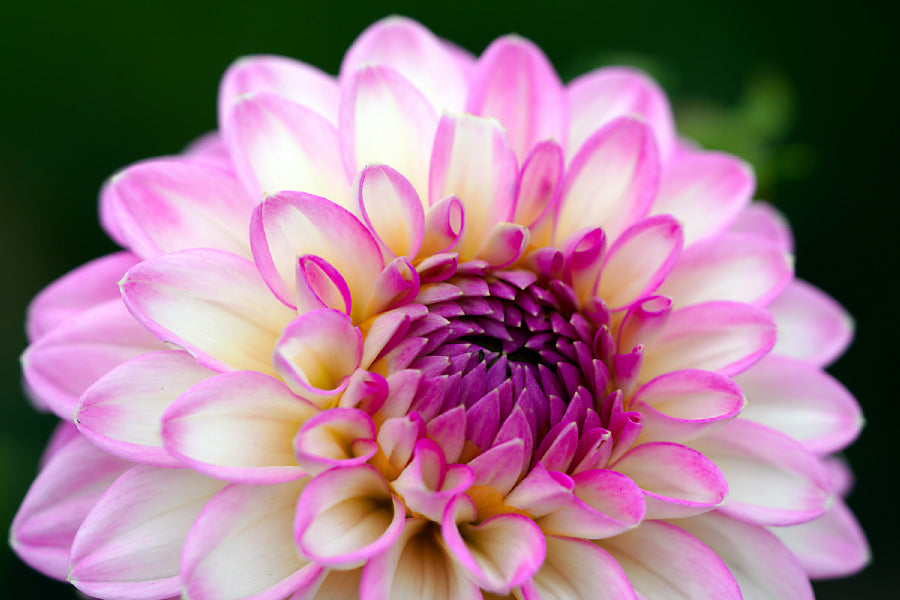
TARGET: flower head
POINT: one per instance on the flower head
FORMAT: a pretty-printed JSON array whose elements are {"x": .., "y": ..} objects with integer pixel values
[{"x": 439, "y": 327}]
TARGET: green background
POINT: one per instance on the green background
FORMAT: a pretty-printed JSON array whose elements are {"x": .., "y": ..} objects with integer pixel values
[{"x": 805, "y": 91}]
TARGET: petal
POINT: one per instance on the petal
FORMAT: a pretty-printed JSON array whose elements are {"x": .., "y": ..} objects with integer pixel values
[
  {"x": 347, "y": 515},
  {"x": 89, "y": 285},
  {"x": 763, "y": 567},
  {"x": 611, "y": 181},
  {"x": 427, "y": 485},
  {"x": 68, "y": 486},
  {"x": 725, "y": 337},
  {"x": 279, "y": 145},
  {"x": 515, "y": 83},
  {"x": 472, "y": 160},
  {"x": 237, "y": 427},
  {"x": 682, "y": 405},
  {"x": 286, "y": 77},
  {"x": 812, "y": 326},
  {"x": 639, "y": 261},
  {"x": 423, "y": 59},
  {"x": 735, "y": 267},
  {"x": 166, "y": 205},
  {"x": 130, "y": 543},
  {"x": 390, "y": 207},
  {"x": 211, "y": 303},
  {"x": 663, "y": 561},
  {"x": 802, "y": 401},
  {"x": 677, "y": 481},
  {"x": 763, "y": 220},
  {"x": 575, "y": 569},
  {"x": 319, "y": 285},
  {"x": 832, "y": 545},
  {"x": 772, "y": 479},
  {"x": 241, "y": 547},
  {"x": 600, "y": 96},
  {"x": 63, "y": 363},
  {"x": 499, "y": 553},
  {"x": 293, "y": 224},
  {"x": 705, "y": 191},
  {"x": 538, "y": 189},
  {"x": 416, "y": 566},
  {"x": 122, "y": 411},
  {"x": 335, "y": 437},
  {"x": 385, "y": 119}
]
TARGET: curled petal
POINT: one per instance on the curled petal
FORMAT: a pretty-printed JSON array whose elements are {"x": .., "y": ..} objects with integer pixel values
[
  {"x": 347, "y": 515},
  {"x": 644, "y": 321},
  {"x": 428, "y": 484},
  {"x": 664, "y": 561},
  {"x": 498, "y": 554},
  {"x": 319, "y": 285},
  {"x": 677, "y": 481},
  {"x": 335, "y": 437},
  {"x": 612, "y": 180},
  {"x": 130, "y": 543},
  {"x": 242, "y": 546},
  {"x": 390, "y": 207},
  {"x": 121, "y": 412},
  {"x": 515, "y": 83},
  {"x": 505, "y": 244},
  {"x": 444, "y": 224},
  {"x": 538, "y": 188},
  {"x": 397, "y": 285},
  {"x": 237, "y": 427}
]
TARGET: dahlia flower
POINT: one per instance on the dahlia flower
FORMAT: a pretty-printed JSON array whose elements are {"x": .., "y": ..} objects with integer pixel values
[{"x": 440, "y": 327}]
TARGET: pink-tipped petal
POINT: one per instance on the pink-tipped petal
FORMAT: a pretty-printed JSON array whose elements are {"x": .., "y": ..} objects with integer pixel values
[
  {"x": 335, "y": 437},
  {"x": 346, "y": 516},
  {"x": 677, "y": 481},
  {"x": 515, "y": 83},
  {"x": 237, "y": 427},
  {"x": 763, "y": 220},
  {"x": 705, "y": 191},
  {"x": 605, "y": 503},
  {"x": 396, "y": 286},
  {"x": 60, "y": 365},
  {"x": 385, "y": 119},
  {"x": 429, "y": 63},
  {"x": 472, "y": 160},
  {"x": 504, "y": 245},
  {"x": 576, "y": 568},
  {"x": 812, "y": 326},
  {"x": 171, "y": 204},
  {"x": 605, "y": 94},
  {"x": 639, "y": 261},
  {"x": 772, "y": 479},
  {"x": 241, "y": 547},
  {"x": 539, "y": 186},
  {"x": 664, "y": 561},
  {"x": 391, "y": 208},
  {"x": 129, "y": 545},
  {"x": 427, "y": 484},
  {"x": 317, "y": 352},
  {"x": 279, "y": 145},
  {"x": 802, "y": 401},
  {"x": 444, "y": 224},
  {"x": 319, "y": 285},
  {"x": 735, "y": 267},
  {"x": 832, "y": 545},
  {"x": 211, "y": 303},
  {"x": 286, "y": 77},
  {"x": 725, "y": 337},
  {"x": 644, "y": 321},
  {"x": 293, "y": 224},
  {"x": 69, "y": 484},
  {"x": 680, "y": 406},
  {"x": 90, "y": 285},
  {"x": 498, "y": 554},
  {"x": 763, "y": 567},
  {"x": 612, "y": 180},
  {"x": 121, "y": 412}
]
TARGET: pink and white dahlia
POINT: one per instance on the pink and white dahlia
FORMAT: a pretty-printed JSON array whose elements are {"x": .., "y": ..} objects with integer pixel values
[{"x": 439, "y": 328}]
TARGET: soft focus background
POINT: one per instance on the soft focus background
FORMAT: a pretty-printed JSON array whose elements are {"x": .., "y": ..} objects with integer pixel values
[{"x": 805, "y": 93}]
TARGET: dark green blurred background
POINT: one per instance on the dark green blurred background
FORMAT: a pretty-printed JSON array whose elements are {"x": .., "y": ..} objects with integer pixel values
[{"x": 807, "y": 93}]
